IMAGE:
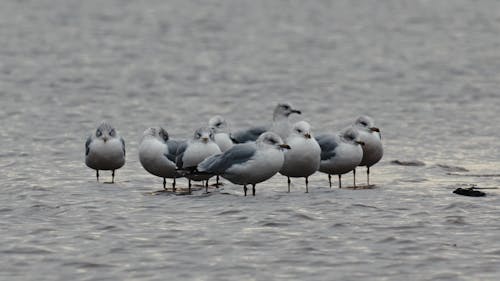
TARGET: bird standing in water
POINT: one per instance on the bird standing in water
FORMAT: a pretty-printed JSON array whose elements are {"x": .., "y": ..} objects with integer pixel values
[
  {"x": 340, "y": 153},
  {"x": 304, "y": 156},
  {"x": 105, "y": 150},
  {"x": 157, "y": 155},
  {"x": 195, "y": 150},
  {"x": 371, "y": 137},
  {"x": 248, "y": 163}
]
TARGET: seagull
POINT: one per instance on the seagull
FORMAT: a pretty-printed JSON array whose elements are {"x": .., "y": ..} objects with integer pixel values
[
  {"x": 340, "y": 153},
  {"x": 105, "y": 150},
  {"x": 195, "y": 150},
  {"x": 221, "y": 129},
  {"x": 157, "y": 154},
  {"x": 247, "y": 163},
  {"x": 222, "y": 135},
  {"x": 304, "y": 156},
  {"x": 372, "y": 150},
  {"x": 281, "y": 125}
]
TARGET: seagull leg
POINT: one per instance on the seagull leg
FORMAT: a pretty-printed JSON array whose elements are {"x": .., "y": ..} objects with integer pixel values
[
  {"x": 289, "y": 182},
  {"x": 164, "y": 184},
  {"x": 206, "y": 186},
  {"x": 173, "y": 185},
  {"x": 245, "y": 189},
  {"x": 354, "y": 176},
  {"x": 307, "y": 184},
  {"x": 330, "y": 180},
  {"x": 340, "y": 181},
  {"x": 97, "y": 175},
  {"x": 189, "y": 186},
  {"x": 113, "y": 176},
  {"x": 368, "y": 176},
  {"x": 217, "y": 181},
  {"x": 253, "y": 189}
]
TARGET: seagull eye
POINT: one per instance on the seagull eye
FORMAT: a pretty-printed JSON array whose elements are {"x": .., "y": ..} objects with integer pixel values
[
  {"x": 299, "y": 131},
  {"x": 98, "y": 133},
  {"x": 364, "y": 123},
  {"x": 286, "y": 107},
  {"x": 112, "y": 132},
  {"x": 218, "y": 124}
]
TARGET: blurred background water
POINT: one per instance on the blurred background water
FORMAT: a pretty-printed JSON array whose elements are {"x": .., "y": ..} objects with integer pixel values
[{"x": 427, "y": 71}]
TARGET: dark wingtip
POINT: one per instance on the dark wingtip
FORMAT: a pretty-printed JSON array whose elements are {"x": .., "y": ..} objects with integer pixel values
[
  {"x": 187, "y": 171},
  {"x": 191, "y": 171},
  {"x": 233, "y": 139}
]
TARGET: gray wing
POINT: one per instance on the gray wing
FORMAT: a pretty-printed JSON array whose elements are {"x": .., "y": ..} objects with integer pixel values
[
  {"x": 218, "y": 164},
  {"x": 123, "y": 145},
  {"x": 87, "y": 145},
  {"x": 251, "y": 134},
  {"x": 173, "y": 145},
  {"x": 179, "y": 154},
  {"x": 328, "y": 143}
]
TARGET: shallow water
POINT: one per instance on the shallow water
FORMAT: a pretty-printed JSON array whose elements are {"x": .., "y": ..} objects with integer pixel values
[{"x": 427, "y": 71}]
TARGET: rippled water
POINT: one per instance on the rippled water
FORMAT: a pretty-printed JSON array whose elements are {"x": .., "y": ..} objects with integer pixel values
[{"x": 427, "y": 71}]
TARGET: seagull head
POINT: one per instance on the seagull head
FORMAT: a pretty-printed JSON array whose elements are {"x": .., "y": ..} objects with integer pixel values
[
  {"x": 105, "y": 132},
  {"x": 272, "y": 139},
  {"x": 218, "y": 123},
  {"x": 303, "y": 129},
  {"x": 351, "y": 135},
  {"x": 366, "y": 123},
  {"x": 156, "y": 132},
  {"x": 284, "y": 110},
  {"x": 204, "y": 134}
]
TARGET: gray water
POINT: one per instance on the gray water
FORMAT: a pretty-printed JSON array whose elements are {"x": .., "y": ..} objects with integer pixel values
[{"x": 427, "y": 71}]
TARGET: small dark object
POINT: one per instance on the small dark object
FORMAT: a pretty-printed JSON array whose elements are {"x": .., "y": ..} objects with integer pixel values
[
  {"x": 415, "y": 163},
  {"x": 469, "y": 192}
]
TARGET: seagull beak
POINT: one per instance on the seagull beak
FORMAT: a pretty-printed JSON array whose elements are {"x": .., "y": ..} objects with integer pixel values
[
  {"x": 105, "y": 139},
  {"x": 285, "y": 146},
  {"x": 204, "y": 139},
  {"x": 308, "y": 136},
  {"x": 296, "y": 111},
  {"x": 360, "y": 142},
  {"x": 375, "y": 129}
]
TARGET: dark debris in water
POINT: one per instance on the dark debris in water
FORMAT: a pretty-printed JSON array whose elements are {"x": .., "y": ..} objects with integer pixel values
[
  {"x": 469, "y": 192},
  {"x": 475, "y": 175},
  {"x": 414, "y": 163},
  {"x": 450, "y": 168},
  {"x": 371, "y": 186}
]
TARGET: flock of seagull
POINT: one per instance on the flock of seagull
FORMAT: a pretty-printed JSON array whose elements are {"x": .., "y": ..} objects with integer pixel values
[{"x": 246, "y": 157}]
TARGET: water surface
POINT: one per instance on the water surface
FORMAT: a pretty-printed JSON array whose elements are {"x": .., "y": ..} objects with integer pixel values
[{"x": 427, "y": 71}]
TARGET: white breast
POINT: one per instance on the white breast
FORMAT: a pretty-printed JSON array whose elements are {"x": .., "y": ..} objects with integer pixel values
[
  {"x": 372, "y": 150},
  {"x": 105, "y": 155},
  {"x": 197, "y": 152},
  {"x": 152, "y": 158},
  {"x": 282, "y": 127},
  {"x": 303, "y": 159},
  {"x": 223, "y": 141}
]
